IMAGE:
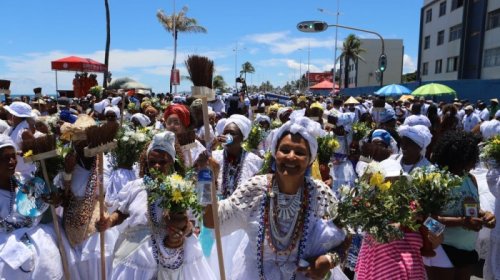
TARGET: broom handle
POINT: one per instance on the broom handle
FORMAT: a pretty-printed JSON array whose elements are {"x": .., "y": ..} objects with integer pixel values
[
  {"x": 123, "y": 109},
  {"x": 215, "y": 206},
  {"x": 101, "y": 210},
  {"x": 55, "y": 220}
]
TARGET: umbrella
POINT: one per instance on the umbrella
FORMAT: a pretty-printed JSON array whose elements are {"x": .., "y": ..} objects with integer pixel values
[
  {"x": 393, "y": 90},
  {"x": 434, "y": 89}
]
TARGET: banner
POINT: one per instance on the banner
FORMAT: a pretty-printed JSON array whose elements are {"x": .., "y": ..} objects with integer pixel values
[{"x": 315, "y": 78}]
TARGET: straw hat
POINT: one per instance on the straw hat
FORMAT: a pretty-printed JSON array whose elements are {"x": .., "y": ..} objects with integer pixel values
[
  {"x": 351, "y": 101},
  {"x": 76, "y": 131},
  {"x": 494, "y": 100}
]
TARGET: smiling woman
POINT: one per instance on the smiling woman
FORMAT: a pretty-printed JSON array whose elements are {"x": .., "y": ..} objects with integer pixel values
[{"x": 287, "y": 216}]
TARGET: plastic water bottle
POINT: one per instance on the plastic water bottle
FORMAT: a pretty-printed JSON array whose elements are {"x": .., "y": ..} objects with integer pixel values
[
  {"x": 204, "y": 185},
  {"x": 229, "y": 139}
]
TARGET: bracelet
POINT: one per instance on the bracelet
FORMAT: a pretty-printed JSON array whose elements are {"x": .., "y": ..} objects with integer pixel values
[
  {"x": 67, "y": 176},
  {"x": 333, "y": 259}
]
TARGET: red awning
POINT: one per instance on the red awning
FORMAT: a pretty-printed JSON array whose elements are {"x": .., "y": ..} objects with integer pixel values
[
  {"x": 324, "y": 85},
  {"x": 78, "y": 64}
]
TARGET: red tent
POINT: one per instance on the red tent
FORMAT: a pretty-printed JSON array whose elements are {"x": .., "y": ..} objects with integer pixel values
[
  {"x": 78, "y": 64},
  {"x": 324, "y": 85}
]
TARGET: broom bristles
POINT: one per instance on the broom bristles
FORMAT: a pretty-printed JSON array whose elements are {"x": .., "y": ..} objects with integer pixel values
[
  {"x": 99, "y": 135},
  {"x": 187, "y": 138},
  {"x": 201, "y": 70},
  {"x": 39, "y": 145}
]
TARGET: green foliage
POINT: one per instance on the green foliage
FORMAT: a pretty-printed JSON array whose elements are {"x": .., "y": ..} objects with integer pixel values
[
  {"x": 256, "y": 135},
  {"x": 360, "y": 130},
  {"x": 491, "y": 150},
  {"x": 326, "y": 147},
  {"x": 266, "y": 166}
]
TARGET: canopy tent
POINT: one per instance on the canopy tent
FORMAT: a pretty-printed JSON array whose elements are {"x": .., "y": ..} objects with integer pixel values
[
  {"x": 324, "y": 85},
  {"x": 78, "y": 64}
]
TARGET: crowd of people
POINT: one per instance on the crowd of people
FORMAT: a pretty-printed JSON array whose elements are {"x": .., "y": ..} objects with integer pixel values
[{"x": 277, "y": 203}]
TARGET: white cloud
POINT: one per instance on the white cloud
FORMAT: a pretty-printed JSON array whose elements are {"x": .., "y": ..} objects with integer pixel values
[
  {"x": 282, "y": 43},
  {"x": 408, "y": 64}
]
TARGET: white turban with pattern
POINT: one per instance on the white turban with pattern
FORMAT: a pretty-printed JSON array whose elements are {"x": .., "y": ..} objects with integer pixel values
[
  {"x": 164, "y": 141},
  {"x": 242, "y": 122}
]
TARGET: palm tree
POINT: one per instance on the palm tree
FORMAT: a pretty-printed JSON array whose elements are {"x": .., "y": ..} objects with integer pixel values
[
  {"x": 351, "y": 49},
  {"x": 219, "y": 83},
  {"x": 247, "y": 67},
  {"x": 108, "y": 43},
  {"x": 176, "y": 23}
]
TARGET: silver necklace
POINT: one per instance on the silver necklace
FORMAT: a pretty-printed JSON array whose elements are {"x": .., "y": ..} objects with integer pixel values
[{"x": 282, "y": 212}]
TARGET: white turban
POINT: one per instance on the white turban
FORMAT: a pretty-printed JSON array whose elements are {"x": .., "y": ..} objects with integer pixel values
[
  {"x": 116, "y": 100},
  {"x": 283, "y": 110},
  {"x": 417, "y": 119},
  {"x": 308, "y": 129},
  {"x": 142, "y": 119},
  {"x": 262, "y": 118},
  {"x": 419, "y": 134},
  {"x": 242, "y": 122},
  {"x": 99, "y": 106},
  {"x": 113, "y": 109},
  {"x": 6, "y": 141},
  {"x": 163, "y": 141},
  {"x": 497, "y": 114},
  {"x": 490, "y": 129},
  {"x": 219, "y": 127}
]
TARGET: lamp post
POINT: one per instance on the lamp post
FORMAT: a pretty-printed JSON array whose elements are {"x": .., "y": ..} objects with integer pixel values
[
  {"x": 236, "y": 65},
  {"x": 335, "y": 46}
]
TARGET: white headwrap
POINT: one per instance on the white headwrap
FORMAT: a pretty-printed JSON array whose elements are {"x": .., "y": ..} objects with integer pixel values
[
  {"x": 113, "y": 109},
  {"x": 283, "y": 110},
  {"x": 497, "y": 114},
  {"x": 142, "y": 119},
  {"x": 419, "y": 134},
  {"x": 6, "y": 141},
  {"x": 4, "y": 126},
  {"x": 308, "y": 129},
  {"x": 417, "y": 119},
  {"x": 99, "y": 106},
  {"x": 262, "y": 118},
  {"x": 243, "y": 123},
  {"x": 163, "y": 141},
  {"x": 345, "y": 119},
  {"x": 116, "y": 100},
  {"x": 490, "y": 129},
  {"x": 219, "y": 127}
]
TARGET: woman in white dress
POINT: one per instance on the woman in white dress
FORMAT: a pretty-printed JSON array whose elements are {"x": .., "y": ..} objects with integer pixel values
[
  {"x": 150, "y": 247},
  {"x": 286, "y": 215},
  {"x": 414, "y": 142},
  {"x": 27, "y": 249}
]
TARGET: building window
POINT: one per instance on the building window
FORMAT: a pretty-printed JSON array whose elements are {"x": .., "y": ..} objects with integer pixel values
[
  {"x": 492, "y": 57},
  {"x": 452, "y": 64},
  {"x": 455, "y": 32},
  {"x": 427, "y": 42},
  {"x": 493, "y": 19},
  {"x": 439, "y": 66},
  {"x": 440, "y": 39},
  {"x": 425, "y": 68},
  {"x": 442, "y": 8},
  {"x": 428, "y": 16},
  {"x": 455, "y": 4}
]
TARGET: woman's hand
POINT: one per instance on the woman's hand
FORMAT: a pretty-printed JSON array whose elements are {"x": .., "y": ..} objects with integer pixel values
[
  {"x": 489, "y": 220},
  {"x": 318, "y": 269},
  {"x": 435, "y": 240},
  {"x": 473, "y": 223}
]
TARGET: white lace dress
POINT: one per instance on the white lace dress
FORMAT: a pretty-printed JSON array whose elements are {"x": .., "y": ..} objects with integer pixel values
[
  {"x": 492, "y": 266},
  {"x": 255, "y": 259},
  {"x": 139, "y": 253},
  {"x": 29, "y": 252},
  {"x": 230, "y": 243}
]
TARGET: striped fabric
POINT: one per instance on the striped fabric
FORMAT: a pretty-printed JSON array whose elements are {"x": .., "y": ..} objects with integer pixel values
[{"x": 399, "y": 259}]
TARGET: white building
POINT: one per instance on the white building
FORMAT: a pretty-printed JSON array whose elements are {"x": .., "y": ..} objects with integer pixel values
[
  {"x": 366, "y": 73},
  {"x": 459, "y": 39}
]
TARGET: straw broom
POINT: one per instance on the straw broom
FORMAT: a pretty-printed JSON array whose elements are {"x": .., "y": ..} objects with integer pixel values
[
  {"x": 101, "y": 140},
  {"x": 44, "y": 148},
  {"x": 201, "y": 70},
  {"x": 187, "y": 142}
]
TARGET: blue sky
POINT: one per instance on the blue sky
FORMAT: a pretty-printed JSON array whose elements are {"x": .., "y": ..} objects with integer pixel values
[{"x": 36, "y": 32}]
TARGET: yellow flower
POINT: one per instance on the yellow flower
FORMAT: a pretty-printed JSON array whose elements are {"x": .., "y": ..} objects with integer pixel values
[
  {"x": 28, "y": 154},
  {"x": 496, "y": 142},
  {"x": 333, "y": 144},
  {"x": 376, "y": 179},
  {"x": 177, "y": 196},
  {"x": 385, "y": 186}
]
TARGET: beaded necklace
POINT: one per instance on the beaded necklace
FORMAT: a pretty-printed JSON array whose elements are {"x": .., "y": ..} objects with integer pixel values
[
  {"x": 302, "y": 229},
  {"x": 229, "y": 186},
  {"x": 166, "y": 257},
  {"x": 11, "y": 226}
]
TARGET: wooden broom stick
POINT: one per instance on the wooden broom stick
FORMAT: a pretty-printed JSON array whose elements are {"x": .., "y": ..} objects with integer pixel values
[
  {"x": 213, "y": 195},
  {"x": 55, "y": 220},
  {"x": 100, "y": 172}
]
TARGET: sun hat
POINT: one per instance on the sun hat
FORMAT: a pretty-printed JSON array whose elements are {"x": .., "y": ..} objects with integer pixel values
[{"x": 19, "y": 109}]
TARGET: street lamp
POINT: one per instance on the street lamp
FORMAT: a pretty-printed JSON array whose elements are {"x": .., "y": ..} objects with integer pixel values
[
  {"x": 314, "y": 26},
  {"x": 336, "y": 36},
  {"x": 235, "y": 50}
]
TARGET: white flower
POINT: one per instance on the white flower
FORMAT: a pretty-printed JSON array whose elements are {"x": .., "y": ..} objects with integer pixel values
[
  {"x": 125, "y": 138},
  {"x": 139, "y": 137}
]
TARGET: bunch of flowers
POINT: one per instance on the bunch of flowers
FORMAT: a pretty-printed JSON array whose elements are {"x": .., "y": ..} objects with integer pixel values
[
  {"x": 491, "y": 150},
  {"x": 276, "y": 124},
  {"x": 173, "y": 192},
  {"x": 380, "y": 206},
  {"x": 267, "y": 165},
  {"x": 326, "y": 147},
  {"x": 256, "y": 135},
  {"x": 130, "y": 144},
  {"x": 96, "y": 91},
  {"x": 434, "y": 188},
  {"x": 360, "y": 130}
]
